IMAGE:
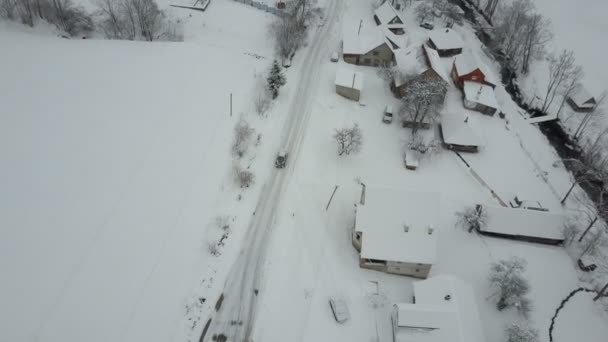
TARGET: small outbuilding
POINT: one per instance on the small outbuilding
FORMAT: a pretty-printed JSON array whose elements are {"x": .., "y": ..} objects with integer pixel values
[
  {"x": 461, "y": 132},
  {"x": 467, "y": 67},
  {"x": 349, "y": 84},
  {"x": 581, "y": 100},
  {"x": 480, "y": 97},
  {"x": 444, "y": 310},
  {"x": 446, "y": 42},
  {"x": 396, "y": 231},
  {"x": 524, "y": 224}
]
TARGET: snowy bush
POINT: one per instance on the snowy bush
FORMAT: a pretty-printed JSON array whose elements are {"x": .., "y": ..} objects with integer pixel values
[
  {"x": 223, "y": 222},
  {"x": 472, "y": 218},
  {"x": 64, "y": 14},
  {"x": 276, "y": 79},
  {"x": 426, "y": 147},
  {"x": 349, "y": 140},
  {"x": 244, "y": 178},
  {"x": 422, "y": 101},
  {"x": 521, "y": 333},
  {"x": 243, "y": 135},
  {"x": 214, "y": 249},
  {"x": 262, "y": 99},
  {"x": 507, "y": 282}
]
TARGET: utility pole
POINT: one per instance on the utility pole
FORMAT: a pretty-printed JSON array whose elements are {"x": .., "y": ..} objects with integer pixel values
[
  {"x": 231, "y": 104},
  {"x": 360, "y": 24}
]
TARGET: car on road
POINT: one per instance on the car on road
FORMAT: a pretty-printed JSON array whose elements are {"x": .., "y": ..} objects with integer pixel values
[
  {"x": 339, "y": 309},
  {"x": 281, "y": 160},
  {"x": 387, "y": 118},
  {"x": 427, "y": 25}
]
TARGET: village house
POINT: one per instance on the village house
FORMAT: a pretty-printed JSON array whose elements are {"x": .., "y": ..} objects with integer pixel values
[
  {"x": 524, "y": 224},
  {"x": 466, "y": 67},
  {"x": 581, "y": 100},
  {"x": 447, "y": 42},
  {"x": 418, "y": 64},
  {"x": 444, "y": 309},
  {"x": 461, "y": 132},
  {"x": 387, "y": 16},
  {"x": 396, "y": 231},
  {"x": 349, "y": 83},
  {"x": 479, "y": 97},
  {"x": 370, "y": 46}
]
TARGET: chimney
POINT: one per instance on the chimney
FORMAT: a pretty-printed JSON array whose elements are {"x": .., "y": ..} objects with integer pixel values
[
  {"x": 447, "y": 30},
  {"x": 430, "y": 230}
]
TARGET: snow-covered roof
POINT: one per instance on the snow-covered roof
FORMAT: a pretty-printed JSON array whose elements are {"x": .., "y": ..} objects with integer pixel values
[
  {"x": 387, "y": 14},
  {"x": 582, "y": 98},
  {"x": 358, "y": 42},
  {"x": 461, "y": 129},
  {"x": 399, "y": 225},
  {"x": 467, "y": 62},
  {"x": 480, "y": 93},
  {"x": 409, "y": 62},
  {"x": 446, "y": 39},
  {"x": 445, "y": 310},
  {"x": 435, "y": 62},
  {"x": 348, "y": 78},
  {"x": 524, "y": 222}
]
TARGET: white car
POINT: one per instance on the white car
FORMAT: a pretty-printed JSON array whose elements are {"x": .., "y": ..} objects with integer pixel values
[
  {"x": 388, "y": 115},
  {"x": 339, "y": 309}
]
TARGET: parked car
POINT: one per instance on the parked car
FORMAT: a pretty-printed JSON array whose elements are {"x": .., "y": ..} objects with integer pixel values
[
  {"x": 334, "y": 57},
  {"x": 339, "y": 309},
  {"x": 281, "y": 160},
  {"x": 427, "y": 25},
  {"x": 388, "y": 115}
]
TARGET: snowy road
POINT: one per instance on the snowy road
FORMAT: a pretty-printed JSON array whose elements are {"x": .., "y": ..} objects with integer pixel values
[{"x": 236, "y": 317}]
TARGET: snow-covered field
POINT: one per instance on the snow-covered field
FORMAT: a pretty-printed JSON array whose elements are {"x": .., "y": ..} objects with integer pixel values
[{"x": 115, "y": 161}]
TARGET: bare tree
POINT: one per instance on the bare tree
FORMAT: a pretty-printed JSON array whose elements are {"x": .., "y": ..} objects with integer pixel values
[
  {"x": 490, "y": 8},
  {"x": 113, "y": 21},
  {"x": 507, "y": 281},
  {"x": 422, "y": 101},
  {"x": 243, "y": 135},
  {"x": 349, "y": 140},
  {"x": 262, "y": 98},
  {"x": 472, "y": 218},
  {"x": 517, "y": 332},
  {"x": 243, "y": 177},
  {"x": 452, "y": 14},
  {"x": 288, "y": 35},
  {"x": 561, "y": 69},
  {"x": 537, "y": 33},
  {"x": 572, "y": 83},
  {"x": 8, "y": 9},
  {"x": 136, "y": 19}
]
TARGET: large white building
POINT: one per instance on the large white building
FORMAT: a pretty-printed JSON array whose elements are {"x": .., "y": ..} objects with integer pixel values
[{"x": 396, "y": 231}]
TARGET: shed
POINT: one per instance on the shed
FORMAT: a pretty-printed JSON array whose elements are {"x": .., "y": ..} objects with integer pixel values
[
  {"x": 524, "y": 224},
  {"x": 581, "y": 100},
  {"x": 461, "y": 132},
  {"x": 480, "y": 97},
  {"x": 349, "y": 83},
  {"x": 396, "y": 231},
  {"x": 466, "y": 67},
  {"x": 446, "y": 41},
  {"x": 444, "y": 309}
]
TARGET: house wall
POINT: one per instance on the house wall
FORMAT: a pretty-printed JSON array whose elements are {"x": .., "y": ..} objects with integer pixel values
[
  {"x": 348, "y": 92},
  {"x": 524, "y": 238},
  {"x": 474, "y": 76},
  {"x": 444, "y": 52},
  {"x": 380, "y": 56},
  {"x": 401, "y": 268},
  {"x": 479, "y": 107}
]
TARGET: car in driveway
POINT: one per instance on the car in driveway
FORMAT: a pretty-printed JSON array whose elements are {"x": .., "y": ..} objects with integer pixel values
[
  {"x": 281, "y": 160},
  {"x": 387, "y": 118},
  {"x": 339, "y": 309},
  {"x": 427, "y": 25}
]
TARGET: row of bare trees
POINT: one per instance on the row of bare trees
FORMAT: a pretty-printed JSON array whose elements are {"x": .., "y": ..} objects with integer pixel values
[
  {"x": 64, "y": 14},
  {"x": 289, "y": 31},
  {"x": 119, "y": 19}
]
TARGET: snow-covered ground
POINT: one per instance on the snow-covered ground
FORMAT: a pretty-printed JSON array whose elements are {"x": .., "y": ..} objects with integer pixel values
[{"x": 115, "y": 157}]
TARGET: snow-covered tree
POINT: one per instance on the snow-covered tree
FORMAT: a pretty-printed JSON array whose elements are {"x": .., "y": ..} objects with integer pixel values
[
  {"x": 453, "y": 14},
  {"x": 424, "y": 11},
  {"x": 276, "y": 79},
  {"x": 243, "y": 137},
  {"x": 422, "y": 101},
  {"x": 349, "y": 140},
  {"x": 472, "y": 218},
  {"x": 426, "y": 148},
  {"x": 517, "y": 332},
  {"x": 508, "y": 283},
  {"x": 561, "y": 69}
]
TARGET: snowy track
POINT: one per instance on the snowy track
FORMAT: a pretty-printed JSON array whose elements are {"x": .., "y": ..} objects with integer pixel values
[{"x": 236, "y": 317}]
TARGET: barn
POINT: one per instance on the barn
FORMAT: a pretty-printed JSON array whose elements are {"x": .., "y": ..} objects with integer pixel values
[
  {"x": 524, "y": 224},
  {"x": 461, "y": 133},
  {"x": 447, "y": 42},
  {"x": 466, "y": 67},
  {"x": 581, "y": 100},
  {"x": 349, "y": 84},
  {"x": 480, "y": 97}
]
